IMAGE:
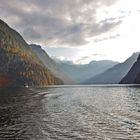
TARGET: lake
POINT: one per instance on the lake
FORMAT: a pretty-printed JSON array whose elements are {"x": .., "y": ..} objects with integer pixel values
[{"x": 70, "y": 113}]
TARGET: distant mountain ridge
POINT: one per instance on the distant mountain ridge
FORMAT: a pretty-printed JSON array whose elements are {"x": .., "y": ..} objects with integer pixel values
[
  {"x": 114, "y": 74},
  {"x": 80, "y": 73},
  {"x": 50, "y": 63},
  {"x": 19, "y": 65}
]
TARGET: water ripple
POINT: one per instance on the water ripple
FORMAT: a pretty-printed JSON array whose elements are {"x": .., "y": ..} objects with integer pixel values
[{"x": 70, "y": 113}]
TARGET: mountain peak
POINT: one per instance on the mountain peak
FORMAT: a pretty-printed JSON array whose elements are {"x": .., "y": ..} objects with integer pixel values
[
  {"x": 4, "y": 25},
  {"x": 19, "y": 64},
  {"x": 114, "y": 74},
  {"x": 135, "y": 54},
  {"x": 2, "y": 22}
]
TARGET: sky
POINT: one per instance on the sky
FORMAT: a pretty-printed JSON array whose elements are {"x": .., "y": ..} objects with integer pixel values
[{"x": 77, "y": 30}]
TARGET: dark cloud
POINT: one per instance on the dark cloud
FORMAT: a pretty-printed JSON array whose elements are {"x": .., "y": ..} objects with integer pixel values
[
  {"x": 31, "y": 33},
  {"x": 62, "y": 22}
]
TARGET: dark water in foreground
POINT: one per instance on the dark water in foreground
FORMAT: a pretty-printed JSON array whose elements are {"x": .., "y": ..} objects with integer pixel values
[{"x": 70, "y": 113}]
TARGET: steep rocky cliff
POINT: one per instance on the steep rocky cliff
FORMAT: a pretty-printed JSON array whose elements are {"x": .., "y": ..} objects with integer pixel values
[
  {"x": 19, "y": 65},
  {"x": 133, "y": 76}
]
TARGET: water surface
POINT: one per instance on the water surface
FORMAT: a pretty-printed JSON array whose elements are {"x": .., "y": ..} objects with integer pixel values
[{"x": 70, "y": 113}]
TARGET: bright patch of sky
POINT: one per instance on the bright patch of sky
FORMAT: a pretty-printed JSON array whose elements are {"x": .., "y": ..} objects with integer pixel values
[{"x": 117, "y": 44}]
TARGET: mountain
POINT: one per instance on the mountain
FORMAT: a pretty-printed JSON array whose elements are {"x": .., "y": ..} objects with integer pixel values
[
  {"x": 114, "y": 74},
  {"x": 50, "y": 63},
  {"x": 80, "y": 73},
  {"x": 19, "y": 65},
  {"x": 133, "y": 76}
]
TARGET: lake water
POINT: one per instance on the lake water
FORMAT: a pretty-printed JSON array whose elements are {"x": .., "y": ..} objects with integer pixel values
[{"x": 70, "y": 113}]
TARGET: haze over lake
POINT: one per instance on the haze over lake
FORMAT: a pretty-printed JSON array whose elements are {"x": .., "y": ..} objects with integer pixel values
[{"x": 70, "y": 113}]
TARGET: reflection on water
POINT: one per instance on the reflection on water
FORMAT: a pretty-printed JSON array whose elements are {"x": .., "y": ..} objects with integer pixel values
[{"x": 69, "y": 113}]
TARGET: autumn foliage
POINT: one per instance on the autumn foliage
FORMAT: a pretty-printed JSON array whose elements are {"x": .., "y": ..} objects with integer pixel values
[{"x": 19, "y": 65}]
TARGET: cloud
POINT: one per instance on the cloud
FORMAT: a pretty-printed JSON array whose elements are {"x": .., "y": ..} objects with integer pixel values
[
  {"x": 57, "y": 22},
  {"x": 66, "y": 52},
  {"x": 106, "y": 38},
  {"x": 89, "y": 58},
  {"x": 31, "y": 33}
]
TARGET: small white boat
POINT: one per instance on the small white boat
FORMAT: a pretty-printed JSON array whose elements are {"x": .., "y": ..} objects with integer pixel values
[{"x": 26, "y": 85}]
